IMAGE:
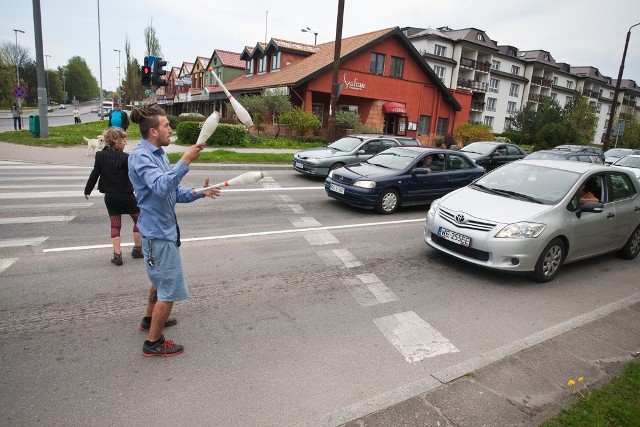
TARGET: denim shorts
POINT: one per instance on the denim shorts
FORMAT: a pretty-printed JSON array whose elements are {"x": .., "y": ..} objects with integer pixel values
[{"x": 166, "y": 272}]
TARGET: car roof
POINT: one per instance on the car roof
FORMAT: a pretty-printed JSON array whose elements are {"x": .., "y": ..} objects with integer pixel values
[
  {"x": 420, "y": 148},
  {"x": 378, "y": 135},
  {"x": 570, "y": 165}
]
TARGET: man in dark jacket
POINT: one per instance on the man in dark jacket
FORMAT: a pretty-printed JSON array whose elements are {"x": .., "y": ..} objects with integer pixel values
[{"x": 117, "y": 117}]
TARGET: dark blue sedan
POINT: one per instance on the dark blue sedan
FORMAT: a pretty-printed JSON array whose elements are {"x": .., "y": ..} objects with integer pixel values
[{"x": 401, "y": 176}]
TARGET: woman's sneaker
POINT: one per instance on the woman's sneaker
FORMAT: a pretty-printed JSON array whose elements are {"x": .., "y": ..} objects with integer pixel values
[
  {"x": 137, "y": 252},
  {"x": 117, "y": 258},
  {"x": 163, "y": 347}
]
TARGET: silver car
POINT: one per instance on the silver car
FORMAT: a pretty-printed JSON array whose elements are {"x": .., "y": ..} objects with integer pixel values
[{"x": 528, "y": 216}]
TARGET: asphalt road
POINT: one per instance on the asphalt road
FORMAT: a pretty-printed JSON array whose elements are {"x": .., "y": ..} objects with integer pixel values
[
  {"x": 56, "y": 118},
  {"x": 290, "y": 318}
]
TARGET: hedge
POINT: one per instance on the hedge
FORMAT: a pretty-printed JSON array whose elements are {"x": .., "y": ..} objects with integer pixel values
[{"x": 225, "y": 135}]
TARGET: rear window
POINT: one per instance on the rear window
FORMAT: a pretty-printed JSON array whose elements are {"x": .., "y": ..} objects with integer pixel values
[{"x": 408, "y": 141}]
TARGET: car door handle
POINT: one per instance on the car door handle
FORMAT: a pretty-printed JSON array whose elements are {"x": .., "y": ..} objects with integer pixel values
[
  {"x": 610, "y": 215},
  {"x": 636, "y": 209}
]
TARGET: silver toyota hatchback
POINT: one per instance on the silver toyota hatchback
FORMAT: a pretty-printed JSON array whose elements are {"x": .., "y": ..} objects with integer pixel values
[{"x": 532, "y": 216}]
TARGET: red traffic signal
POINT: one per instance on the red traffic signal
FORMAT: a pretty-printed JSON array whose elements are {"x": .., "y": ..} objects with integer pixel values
[{"x": 145, "y": 73}]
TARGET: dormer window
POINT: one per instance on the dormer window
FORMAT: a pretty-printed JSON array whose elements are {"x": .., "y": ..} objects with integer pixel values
[
  {"x": 262, "y": 64},
  {"x": 249, "y": 67},
  {"x": 480, "y": 37},
  {"x": 275, "y": 61},
  {"x": 511, "y": 52},
  {"x": 547, "y": 58}
]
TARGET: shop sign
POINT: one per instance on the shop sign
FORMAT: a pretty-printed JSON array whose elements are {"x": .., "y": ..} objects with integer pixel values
[{"x": 352, "y": 84}]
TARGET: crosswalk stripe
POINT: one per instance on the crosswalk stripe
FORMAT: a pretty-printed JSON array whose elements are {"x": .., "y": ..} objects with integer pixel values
[
  {"x": 28, "y": 241},
  {"x": 6, "y": 263},
  {"x": 305, "y": 221},
  {"x": 320, "y": 237},
  {"x": 40, "y": 167},
  {"x": 368, "y": 290},
  {"x": 35, "y": 219},
  {"x": 47, "y": 206},
  {"x": 14, "y": 186},
  {"x": 80, "y": 178},
  {"x": 413, "y": 337},
  {"x": 46, "y": 194}
]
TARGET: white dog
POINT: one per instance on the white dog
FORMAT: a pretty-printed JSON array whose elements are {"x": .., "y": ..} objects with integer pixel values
[{"x": 94, "y": 145}]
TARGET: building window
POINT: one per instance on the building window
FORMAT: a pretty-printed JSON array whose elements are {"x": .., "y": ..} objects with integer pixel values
[
  {"x": 555, "y": 81},
  {"x": 440, "y": 50},
  {"x": 554, "y": 96},
  {"x": 488, "y": 120},
  {"x": 377, "y": 63},
  {"x": 262, "y": 64},
  {"x": 397, "y": 67},
  {"x": 569, "y": 84},
  {"x": 480, "y": 37},
  {"x": 249, "y": 67},
  {"x": 494, "y": 85},
  {"x": 598, "y": 107},
  {"x": 275, "y": 61},
  {"x": 511, "y": 107},
  {"x": 507, "y": 123},
  {"x": 491, "y": 104},
  {"x": 514, "y": 90},
  {"x": 511, "y": 52},
  {"x": 568, "y": 101},
  {"x": 318, "y": 111},
  {"x": 352, "y": 108},
  {"x": 424, "y": 124},
  {"x": 440, "y": 71},
  {"x": 495, "y": 65},
  {"x": 443, "y": 125},
  {"x": 515, "y": 70}
]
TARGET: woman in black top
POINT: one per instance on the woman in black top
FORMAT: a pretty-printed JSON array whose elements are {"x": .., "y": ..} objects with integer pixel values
[{"x": 112, "y": 169}]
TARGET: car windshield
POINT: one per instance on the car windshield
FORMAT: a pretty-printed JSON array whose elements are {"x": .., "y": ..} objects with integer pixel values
[
  {"x": 543, "y": 184},
  {"x": 618, "y": 152},
  {"x": 479, "y": 147},
  {"x": 393, "y": 158},
  {"x": 546, "y": 155},
  {"x": 629, "y": 161},
  {"x": 345, "y": 144}
]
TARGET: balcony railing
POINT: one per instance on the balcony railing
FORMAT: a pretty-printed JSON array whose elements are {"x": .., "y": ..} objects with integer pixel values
[
  {"x": 484, "y": 67},
  {"x": 477, "y": 106},
  {"x": 591, "y": 93},
  {"x": 473, "y": 85},
  {"x": 536, "y": 97},
  {"x": 541, "y": 81}
]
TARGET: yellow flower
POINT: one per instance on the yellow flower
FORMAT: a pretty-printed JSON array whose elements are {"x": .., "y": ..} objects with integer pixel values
[
  {"x": 580, "y": 379},
  {"x": 571, "y": 382}
]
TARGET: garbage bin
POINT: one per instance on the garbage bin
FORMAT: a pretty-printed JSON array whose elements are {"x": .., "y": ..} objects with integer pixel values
[{"x": 34, "y": 125}]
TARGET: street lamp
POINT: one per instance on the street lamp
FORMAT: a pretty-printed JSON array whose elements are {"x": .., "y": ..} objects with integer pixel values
[
  {"x": 612, "y": 116},
  {"x": 118, "y": 50},
  {"x": 17, "y": 68},
  {"x": 47, "y": 75},
  {"x": 315, "y": 35}
]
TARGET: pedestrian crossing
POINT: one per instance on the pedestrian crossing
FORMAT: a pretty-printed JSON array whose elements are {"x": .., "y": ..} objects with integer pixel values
[{"x": 32, "y": 196}]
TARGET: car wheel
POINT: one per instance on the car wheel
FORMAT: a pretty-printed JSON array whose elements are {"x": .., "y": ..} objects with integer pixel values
[
  {"x": 336, "y": 166},
  {"x": 388, "y": 202},
  {"x": 550, "y": 261},
  {"x": 631, "y": 249}
]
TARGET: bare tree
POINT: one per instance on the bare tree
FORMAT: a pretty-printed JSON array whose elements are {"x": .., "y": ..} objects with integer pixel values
[
  {"x": 15, "y": 54},
  {"x": 131, "y": 84},
  {"x": 151, "y": 40}
]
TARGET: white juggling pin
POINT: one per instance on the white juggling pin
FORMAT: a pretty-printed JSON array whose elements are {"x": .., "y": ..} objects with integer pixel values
[
  {"x": 245, "y": 178},
  {"x": 208, "y": 127},
  {"x": 241, "y": 112}
]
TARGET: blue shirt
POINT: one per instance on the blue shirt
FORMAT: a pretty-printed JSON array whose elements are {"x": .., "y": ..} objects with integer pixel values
[
  {"x": 116, "y": 118},
  {"x": 157, "y": 188}
]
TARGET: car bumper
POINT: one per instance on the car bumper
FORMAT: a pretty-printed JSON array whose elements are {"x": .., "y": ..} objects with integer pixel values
[
  {"x": 516, "y": 255},
  {"x": 309, "y": 169},
  {"x": 354, "y": 196}
]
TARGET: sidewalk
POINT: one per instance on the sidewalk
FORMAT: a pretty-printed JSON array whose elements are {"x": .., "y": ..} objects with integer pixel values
[{"x": 520, "y": 384}]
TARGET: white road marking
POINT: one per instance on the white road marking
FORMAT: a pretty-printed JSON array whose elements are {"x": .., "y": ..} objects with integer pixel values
[
  {"x": 259, "y": 233},
  {"x": 270, "y": 186},
  {"x": 368, "y": 290},
  {"x": 80, "y": 178},
  {"x": 305, "y": 221},
  {"x": 320, "y": 237},
  {"x": 413, "y": 337},
  {"x": 339, "y": 258},
  {"x": 13, "y": 186},
  {"x": 35, "y": 219},
  {"x": 286, "y": 198},
  {"x": 47, "y": 194},
  {"x": 6, "y": 263},
  {"x": 29, "y": 241},
  {"x": 293, "y": 207},
  {"x": 47, "y": 206},
  {"x": 5, "y": 167}
]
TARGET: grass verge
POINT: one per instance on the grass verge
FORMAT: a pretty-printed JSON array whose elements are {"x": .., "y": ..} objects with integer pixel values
[
  {"x": 615, "y": 404},
  {"x": 226, "y": 156}
]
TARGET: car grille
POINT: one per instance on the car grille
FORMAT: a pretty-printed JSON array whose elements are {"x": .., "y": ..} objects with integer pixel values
[
  {"x": 341, "y": 179},
  {"x": 462, "y": 250},
  {"x": 467, "y": 222}
]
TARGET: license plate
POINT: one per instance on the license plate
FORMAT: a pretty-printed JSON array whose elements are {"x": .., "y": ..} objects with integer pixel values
[
  {"x": 336, "y": 188},
  {"x": 299, "y": 165},
  {"x": 454, "y": 237}
]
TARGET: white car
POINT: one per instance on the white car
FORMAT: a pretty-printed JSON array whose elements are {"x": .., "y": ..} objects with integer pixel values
[
  {"x": 630, "y": 163},
  {"x": 613, "y": 154},
  {"x": 94, "y": 109},
  {"x": 527, "y": 217}
]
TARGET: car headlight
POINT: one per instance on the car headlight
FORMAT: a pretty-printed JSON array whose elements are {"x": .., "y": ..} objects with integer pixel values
[
  {"x": 433, "y": 208},
  {"x": 365, "y": 184},
  {"x": 312, "y": 160},
  {"x": 521, "y": 229},
  {"x": 330, "y": 174}
]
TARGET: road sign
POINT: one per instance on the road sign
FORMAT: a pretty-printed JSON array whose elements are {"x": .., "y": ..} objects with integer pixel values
[{"x": 19, "y": 92}]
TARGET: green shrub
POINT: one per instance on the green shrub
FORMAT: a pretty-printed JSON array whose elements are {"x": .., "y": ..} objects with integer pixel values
[
  {"x": 300, "y": 121},
  {"x": 228, "y": 135},
  {"x": 188, "y": 132},
  {"x": 191, "y": 117},
  {"x": 173, "y": 121},
  {"x": 347, "y": 119}
]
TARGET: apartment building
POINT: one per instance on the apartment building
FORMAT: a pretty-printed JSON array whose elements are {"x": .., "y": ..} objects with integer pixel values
[{"x": 503, "y": 79}]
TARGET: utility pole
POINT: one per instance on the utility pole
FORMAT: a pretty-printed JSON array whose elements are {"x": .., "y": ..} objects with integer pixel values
[
  {"x": 42, "y": 92},
  {"x": 46, "y": 74},
  {"x": 17, "y": 68},
  {"x": 331, "y": 123},
  {"x": 119, "y": 81},
  {"x": 614, "y": 105}
]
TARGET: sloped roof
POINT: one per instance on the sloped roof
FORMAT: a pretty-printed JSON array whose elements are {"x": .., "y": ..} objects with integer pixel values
[
  {"x": 322, "y": 61},
  {"x": 628, "y": 85},
  {"x": 589, "y": 72},
  {"x": 470, "y": 35},
  {"x": 229, "y": 59},
  {"x": 539, "y": 56},
  {"x": 289, "y": 46},
  {"x": 428, "y": 32},
  {"x": 186, "y": 68}
]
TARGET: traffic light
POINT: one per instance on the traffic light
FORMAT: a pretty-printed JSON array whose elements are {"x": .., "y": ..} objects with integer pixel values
[
  {"x": 145, "y": 73},
  {"x": 158, "y": 72}
]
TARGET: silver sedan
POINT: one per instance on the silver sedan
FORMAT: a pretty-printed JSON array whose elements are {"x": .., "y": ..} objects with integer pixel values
[{"x": 534, "y": 216}]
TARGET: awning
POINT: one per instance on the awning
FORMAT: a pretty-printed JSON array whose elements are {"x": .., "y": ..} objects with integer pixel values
[{"x": 394, "y": 108}]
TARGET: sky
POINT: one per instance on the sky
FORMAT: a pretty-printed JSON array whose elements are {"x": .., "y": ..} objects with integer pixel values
[{"x": 578, "y": 32}]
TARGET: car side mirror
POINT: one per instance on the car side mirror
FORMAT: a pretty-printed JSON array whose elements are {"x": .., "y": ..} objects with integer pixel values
[
  {"x": 420, "y": 171},
  {"x": 360, "y": 152},
  {"x": 592, "y": 207}
]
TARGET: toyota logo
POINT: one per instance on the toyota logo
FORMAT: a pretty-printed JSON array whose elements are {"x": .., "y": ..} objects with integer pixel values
[{"x": 460, "y": 218}]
